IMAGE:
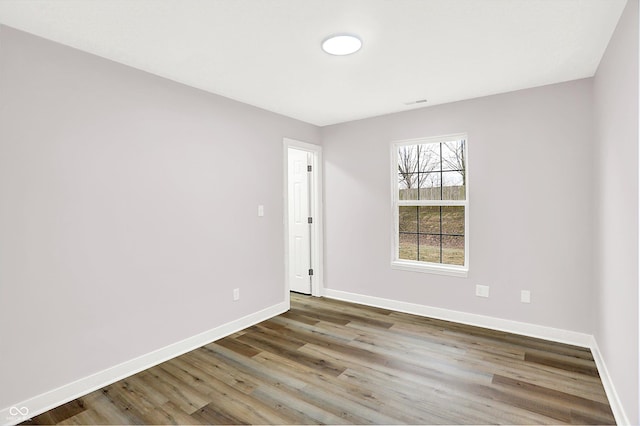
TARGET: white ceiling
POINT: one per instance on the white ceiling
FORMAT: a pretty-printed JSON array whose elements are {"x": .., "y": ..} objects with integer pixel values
[{"x": 267, "y": 52}]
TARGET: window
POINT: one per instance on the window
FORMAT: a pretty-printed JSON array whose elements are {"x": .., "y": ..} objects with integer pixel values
[{"x": 430, "y": 205}]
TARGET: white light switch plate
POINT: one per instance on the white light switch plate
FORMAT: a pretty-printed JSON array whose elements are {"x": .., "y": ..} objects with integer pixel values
[{"x": 260, "y": 210}]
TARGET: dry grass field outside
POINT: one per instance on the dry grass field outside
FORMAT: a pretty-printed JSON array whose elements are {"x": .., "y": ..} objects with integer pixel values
[{"x": 432, "y": 234}]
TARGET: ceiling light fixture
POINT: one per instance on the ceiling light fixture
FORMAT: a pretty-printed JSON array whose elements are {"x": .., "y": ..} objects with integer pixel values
[{"x": 341, "y": 44}]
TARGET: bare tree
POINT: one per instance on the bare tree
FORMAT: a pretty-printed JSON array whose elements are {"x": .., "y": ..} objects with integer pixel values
[
  {"x": 414, "y": 163},
  {"x": 454, "y": 158},
  {"x": 407, "y": 165}
]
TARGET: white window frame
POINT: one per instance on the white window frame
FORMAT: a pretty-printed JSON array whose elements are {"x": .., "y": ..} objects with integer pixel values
[{"x": 421, "y": 266}]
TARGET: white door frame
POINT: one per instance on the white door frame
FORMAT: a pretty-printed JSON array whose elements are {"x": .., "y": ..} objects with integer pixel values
[{"x": 316, "y": 213}]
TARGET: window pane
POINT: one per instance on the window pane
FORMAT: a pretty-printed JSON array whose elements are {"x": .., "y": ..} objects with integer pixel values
[
  {"x": 429, "y": 248},
  {"x": 453, "y": 220},
  {"x": 408, "y": 219},
  {"x": 429, "y": 184},
  {"x": 453, "y": 186},
  {"x": 408, "y": 246},
  {"x": 453, "y": 155},
  {"x": 407, "y": 159},
  {"x": 430, "y": 220},
  {"x": 429, "y": 155},
  {"x": 452, "y": 250},
  {"x": 414, "y": 159},
  {"x": 407, "y": 172},
  {"x": 408, "y": 186}
]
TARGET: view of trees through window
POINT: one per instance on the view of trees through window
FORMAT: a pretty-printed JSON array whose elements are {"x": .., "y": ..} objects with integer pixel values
[{"x": 431, "y": 202}]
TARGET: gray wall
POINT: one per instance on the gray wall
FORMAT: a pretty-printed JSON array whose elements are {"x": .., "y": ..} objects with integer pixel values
[
  {"x": 530, "y": 184},
  {"x": 127, "y": 213},
  {"x": 616, "y": 168}
]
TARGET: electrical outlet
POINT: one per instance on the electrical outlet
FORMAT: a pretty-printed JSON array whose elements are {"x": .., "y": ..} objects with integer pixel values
[
  {"x": 482, "y": 290},
  {"x": 525, "y": 296},
  {"x": 236, "y": 294}
]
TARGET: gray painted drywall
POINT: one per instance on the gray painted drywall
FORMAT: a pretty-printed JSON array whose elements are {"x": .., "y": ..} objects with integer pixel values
[
  {"x": 531, "y": 223},
  {"x": 128, "y": 213},
  {"x": 616, "y": 204}
]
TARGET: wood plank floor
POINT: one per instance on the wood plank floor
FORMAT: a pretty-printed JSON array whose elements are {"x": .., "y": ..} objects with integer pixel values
[{"x": 330, "y": 362}]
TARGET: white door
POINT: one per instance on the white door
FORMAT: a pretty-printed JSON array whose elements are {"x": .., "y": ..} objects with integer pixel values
[{"x": 299, "y": 226}]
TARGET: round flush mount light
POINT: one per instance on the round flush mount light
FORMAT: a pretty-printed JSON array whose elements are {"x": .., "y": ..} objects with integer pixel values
[{"x": 341, "y": 44}]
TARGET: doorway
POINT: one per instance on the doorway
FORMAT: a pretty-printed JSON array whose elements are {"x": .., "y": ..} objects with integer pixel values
[{"x": 303, "y": 217}]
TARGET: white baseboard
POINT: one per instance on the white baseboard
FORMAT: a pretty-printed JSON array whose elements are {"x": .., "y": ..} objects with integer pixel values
[
  {"x": 525, "y": 329},
  {"x": 51, "y": 399},
  {"x": 614, "y": 401}
]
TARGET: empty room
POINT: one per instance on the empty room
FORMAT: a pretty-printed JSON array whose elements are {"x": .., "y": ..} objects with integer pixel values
[{"x": 319, "y": 212}]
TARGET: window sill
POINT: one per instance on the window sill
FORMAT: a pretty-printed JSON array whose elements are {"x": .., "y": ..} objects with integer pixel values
[{"x": 430, "y": 268}]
